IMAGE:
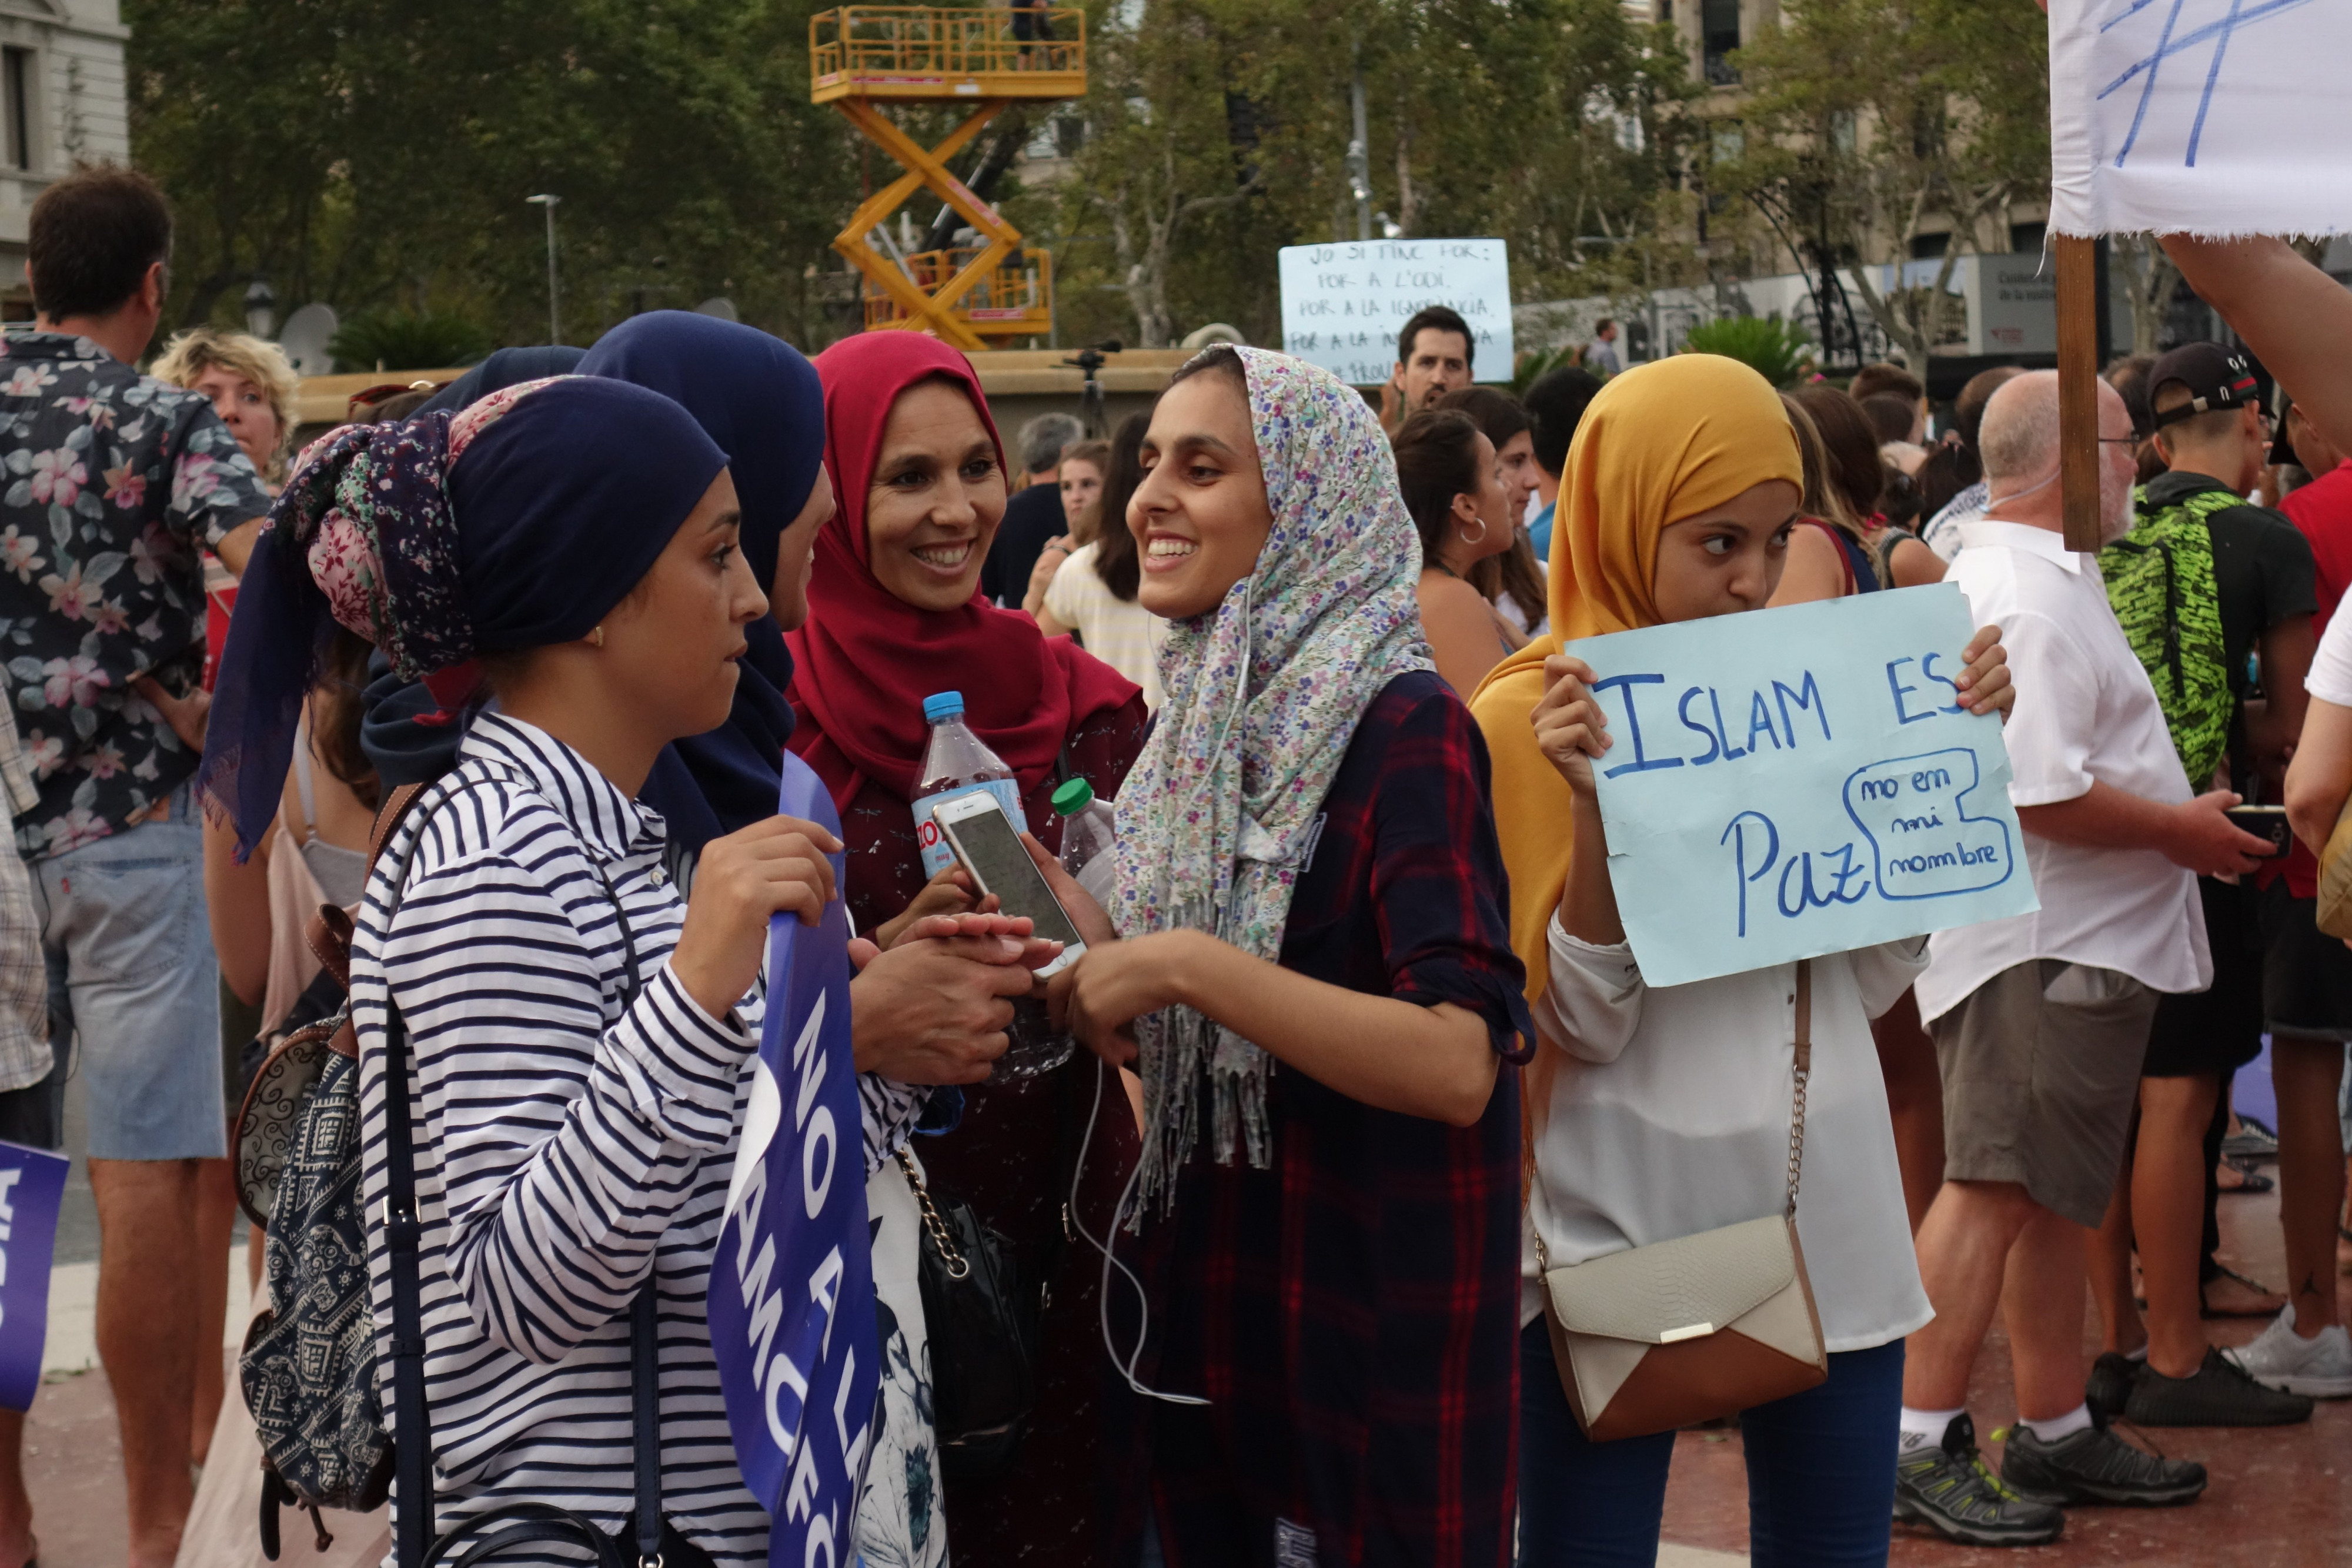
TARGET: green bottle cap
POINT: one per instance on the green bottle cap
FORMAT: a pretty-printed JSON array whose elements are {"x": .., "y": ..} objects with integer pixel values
[{"x": 1074, "y": 796}]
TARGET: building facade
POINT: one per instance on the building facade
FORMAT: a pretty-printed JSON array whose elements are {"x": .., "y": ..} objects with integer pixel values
[{"x": 63, "y": 100}]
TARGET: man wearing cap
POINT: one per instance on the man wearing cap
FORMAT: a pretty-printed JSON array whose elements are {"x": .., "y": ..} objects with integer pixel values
[{"x": 2201, "y": 583}]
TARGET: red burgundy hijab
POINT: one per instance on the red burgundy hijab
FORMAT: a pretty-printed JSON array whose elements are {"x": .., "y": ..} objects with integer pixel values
[{"x": 866, "y": 659}]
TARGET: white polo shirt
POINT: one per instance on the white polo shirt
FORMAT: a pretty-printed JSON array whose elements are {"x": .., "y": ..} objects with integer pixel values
[{"x": 2085, "y": 713}]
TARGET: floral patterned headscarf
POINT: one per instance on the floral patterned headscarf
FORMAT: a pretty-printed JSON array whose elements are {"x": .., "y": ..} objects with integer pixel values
[
  {"x": 574, "y": 485},
  {"x": 1263, "y": 692}
]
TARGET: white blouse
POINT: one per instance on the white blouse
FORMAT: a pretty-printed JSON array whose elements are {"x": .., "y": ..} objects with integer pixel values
[{"x": 1668, "y": 1116}]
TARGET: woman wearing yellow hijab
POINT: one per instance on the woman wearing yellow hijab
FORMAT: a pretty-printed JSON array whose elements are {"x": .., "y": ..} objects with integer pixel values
[{"x": 1658, "y": 1114}]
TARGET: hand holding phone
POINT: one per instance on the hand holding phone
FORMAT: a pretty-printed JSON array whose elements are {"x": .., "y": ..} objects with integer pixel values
[
  {"x": 983, "y": 842},
  {"x": 2267, "y": 822}
]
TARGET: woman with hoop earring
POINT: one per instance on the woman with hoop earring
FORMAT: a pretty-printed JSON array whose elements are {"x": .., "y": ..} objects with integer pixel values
[{"x": 1453, "y": 486}]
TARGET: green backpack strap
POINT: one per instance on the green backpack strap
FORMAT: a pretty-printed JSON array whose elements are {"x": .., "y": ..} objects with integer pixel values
[{"x": 2160, "y": 580}]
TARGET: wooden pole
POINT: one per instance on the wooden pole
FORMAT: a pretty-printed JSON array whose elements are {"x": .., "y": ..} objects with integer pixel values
[{"x": 2078, "y": 387}]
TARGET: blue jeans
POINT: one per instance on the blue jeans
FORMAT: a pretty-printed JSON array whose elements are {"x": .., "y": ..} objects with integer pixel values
[
  {"x": 133, "y": 983},
  {"x": 1821, "y": 1471}
]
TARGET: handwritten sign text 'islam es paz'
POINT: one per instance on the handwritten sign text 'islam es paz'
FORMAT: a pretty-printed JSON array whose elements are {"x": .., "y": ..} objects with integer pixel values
[
  {"x": 1344, "y": 304},
  {"x": 1798, "y": 782}
]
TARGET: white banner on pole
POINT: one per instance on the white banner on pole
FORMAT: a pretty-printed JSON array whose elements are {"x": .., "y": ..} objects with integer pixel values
[
  {"x": 2210, "y": 117},
  {"x": 1343, "y": 305}
]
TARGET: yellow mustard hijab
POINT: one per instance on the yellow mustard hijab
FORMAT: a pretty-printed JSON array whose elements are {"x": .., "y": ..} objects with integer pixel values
[{"x": 1661, "y": 443}]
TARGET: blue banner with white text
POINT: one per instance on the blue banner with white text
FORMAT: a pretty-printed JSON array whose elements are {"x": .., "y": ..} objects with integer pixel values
[
  {"x": 792, "y": 1290},
  {"x": 32, "y": 1185}
]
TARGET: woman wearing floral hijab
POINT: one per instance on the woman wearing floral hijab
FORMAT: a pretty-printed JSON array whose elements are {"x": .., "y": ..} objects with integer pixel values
[{"x": 1317, "y": 973}]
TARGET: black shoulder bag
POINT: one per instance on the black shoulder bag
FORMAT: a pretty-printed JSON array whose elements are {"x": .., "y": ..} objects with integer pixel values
[{"x": 495, "y": 1530}]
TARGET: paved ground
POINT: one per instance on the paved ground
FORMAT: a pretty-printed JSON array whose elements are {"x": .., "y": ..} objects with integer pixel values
[{"x": 2280, "y": 1499}]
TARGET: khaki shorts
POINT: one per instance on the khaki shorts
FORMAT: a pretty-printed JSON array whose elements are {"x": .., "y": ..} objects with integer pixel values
[{"x": 2040, "y": 1066}]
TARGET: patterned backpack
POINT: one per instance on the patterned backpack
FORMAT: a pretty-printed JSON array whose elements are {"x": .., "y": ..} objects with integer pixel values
[
  {"x": 2160, "y": 582},
  {"x": 307, "y": 1367}
]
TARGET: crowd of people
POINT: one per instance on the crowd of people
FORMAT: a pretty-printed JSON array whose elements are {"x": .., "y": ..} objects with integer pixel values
[{"x": 508, "y": 670}]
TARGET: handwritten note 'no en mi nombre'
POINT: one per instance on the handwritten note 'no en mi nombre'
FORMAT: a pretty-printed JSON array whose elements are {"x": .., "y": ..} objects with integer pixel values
[{"x": 1799, "y": 781}]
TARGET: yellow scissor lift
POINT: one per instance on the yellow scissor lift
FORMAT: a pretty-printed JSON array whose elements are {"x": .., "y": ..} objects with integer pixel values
[{"x": 864, "y": 57}]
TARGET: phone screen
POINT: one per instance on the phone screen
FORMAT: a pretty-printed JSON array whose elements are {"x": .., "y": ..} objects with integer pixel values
[
  {"x": 994, "y": 855},
  {"x": 2265, "y": 822}
]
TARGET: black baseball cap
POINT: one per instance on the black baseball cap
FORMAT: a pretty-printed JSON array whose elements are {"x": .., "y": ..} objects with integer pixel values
[{"x": 2216, "y": 377}]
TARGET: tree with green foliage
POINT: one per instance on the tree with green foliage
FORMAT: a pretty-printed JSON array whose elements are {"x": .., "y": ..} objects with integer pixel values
[
  {"x": 1875, "y": 122},
  {"x": 378, "y": 155},
  {"x": 1216, "y": 133}
]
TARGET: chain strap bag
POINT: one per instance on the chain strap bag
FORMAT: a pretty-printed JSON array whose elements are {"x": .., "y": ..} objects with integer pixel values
[
  {"x": 1659, "y": 1337},
  {"x": 983, "y": 1332}
]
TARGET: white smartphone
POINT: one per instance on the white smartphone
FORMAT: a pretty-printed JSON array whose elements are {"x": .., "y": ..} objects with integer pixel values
[{"x": 982, "y": 838}]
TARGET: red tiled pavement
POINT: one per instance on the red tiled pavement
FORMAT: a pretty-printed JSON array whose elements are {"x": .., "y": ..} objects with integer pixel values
[{"x": 2280, "y": 1498}]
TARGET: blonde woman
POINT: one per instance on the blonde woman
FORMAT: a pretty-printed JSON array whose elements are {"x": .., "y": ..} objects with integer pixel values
[{"x": 252, "y": 387}]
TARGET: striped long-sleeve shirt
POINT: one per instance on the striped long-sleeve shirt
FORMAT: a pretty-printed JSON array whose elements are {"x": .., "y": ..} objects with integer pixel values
[{"x": 566, "y": 1145}]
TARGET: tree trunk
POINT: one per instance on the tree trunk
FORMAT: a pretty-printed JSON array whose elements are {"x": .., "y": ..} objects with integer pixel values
[
  {"x": 1905, "y": 334},
  {"x": 1408, "y": 216},
  {"x": 2148, "y": 279}
]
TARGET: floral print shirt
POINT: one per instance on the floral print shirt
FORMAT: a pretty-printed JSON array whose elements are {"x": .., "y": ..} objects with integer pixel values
[{"x": 110, "y": 484}]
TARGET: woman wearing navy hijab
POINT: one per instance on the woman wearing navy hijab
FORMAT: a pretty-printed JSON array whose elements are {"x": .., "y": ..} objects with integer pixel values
[
  {"x": 930, "y": 1011},
  {"x": 758, "y": 399}
]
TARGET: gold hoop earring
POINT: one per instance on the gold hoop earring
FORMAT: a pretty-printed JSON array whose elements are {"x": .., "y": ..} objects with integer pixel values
[{"x": 1466, "y": 540}]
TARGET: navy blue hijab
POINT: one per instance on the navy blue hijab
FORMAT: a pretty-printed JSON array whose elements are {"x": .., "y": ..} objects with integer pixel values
[
  {"x": 760, "y": 401},
  {"x": 514, "y": 524},
  {"x": 503, "y": 369}
]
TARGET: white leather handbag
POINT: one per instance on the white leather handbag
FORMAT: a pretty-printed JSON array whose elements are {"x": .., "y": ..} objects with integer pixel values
[{"x": 1658, "y": 1337}]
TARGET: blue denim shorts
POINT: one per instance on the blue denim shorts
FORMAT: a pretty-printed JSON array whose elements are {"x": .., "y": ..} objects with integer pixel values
[{"x": 132, "y": 981}]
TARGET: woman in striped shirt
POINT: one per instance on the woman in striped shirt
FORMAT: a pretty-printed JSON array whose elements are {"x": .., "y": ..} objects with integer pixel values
[{"x": 579, "y": 1035}]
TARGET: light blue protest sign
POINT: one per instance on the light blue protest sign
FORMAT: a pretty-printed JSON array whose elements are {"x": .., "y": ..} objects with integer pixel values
[
  {"x": 32, "y": 1186},
  {"x": 1793, "y": 782},
  {"x": 792, "y": 1290}
]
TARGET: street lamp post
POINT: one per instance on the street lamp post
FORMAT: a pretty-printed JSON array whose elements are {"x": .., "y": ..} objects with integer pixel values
[
  {"x": 554, "y": 323},
  {"x": 260, "y": 308}
]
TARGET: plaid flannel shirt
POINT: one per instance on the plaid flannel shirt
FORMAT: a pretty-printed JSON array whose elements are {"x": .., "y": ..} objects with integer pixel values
[{"x": 1351, "y": 1312}]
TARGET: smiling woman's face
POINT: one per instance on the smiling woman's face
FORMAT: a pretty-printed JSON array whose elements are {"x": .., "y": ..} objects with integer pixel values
[
  {"x": 937, "y": 497},
  {"x": 1201, "y": 515}
]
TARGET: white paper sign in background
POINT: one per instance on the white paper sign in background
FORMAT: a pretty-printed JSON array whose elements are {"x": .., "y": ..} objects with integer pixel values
[
  {"x": 1343, "y": 305},
  {"x": 2208, "y": 117}
]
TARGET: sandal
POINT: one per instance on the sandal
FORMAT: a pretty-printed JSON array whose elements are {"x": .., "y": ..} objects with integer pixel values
[
  {"x": 2261, "y": 1291},
  {"x": 2236, "y": 1175}
]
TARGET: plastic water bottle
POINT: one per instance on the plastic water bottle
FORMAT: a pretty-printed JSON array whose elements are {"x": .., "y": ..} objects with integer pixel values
[
  {"x": 1086, "y": 839},
  {"x": 957, "y": 762}
]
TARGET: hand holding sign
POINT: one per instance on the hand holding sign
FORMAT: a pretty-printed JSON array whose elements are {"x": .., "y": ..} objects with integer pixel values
[
  {"x": 1570, "y": 727},
  {"x": 1793, "y": 782}
]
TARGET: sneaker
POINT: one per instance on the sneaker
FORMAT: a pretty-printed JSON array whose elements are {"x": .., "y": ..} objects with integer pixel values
[
  {"x": 2251, "y": 1141},
  {"x": 2284, "y": 1359},
  {"x": 1947, "y": 1488},
  {"x": 2110, "y": 1387},
  {"x": 2095, "y": 1466},
  {"x": 2218, "y": 1393}
]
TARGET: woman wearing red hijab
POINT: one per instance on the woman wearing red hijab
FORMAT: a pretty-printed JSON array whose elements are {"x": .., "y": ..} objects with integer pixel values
[{"x": 897, "y": 616}]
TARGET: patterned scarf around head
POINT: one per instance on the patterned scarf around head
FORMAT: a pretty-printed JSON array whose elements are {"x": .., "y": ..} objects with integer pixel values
[{"x": 1216, "y": 820}]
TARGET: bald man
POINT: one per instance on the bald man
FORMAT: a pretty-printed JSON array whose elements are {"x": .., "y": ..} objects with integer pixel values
[{"x": 2042, "y": 1021}]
